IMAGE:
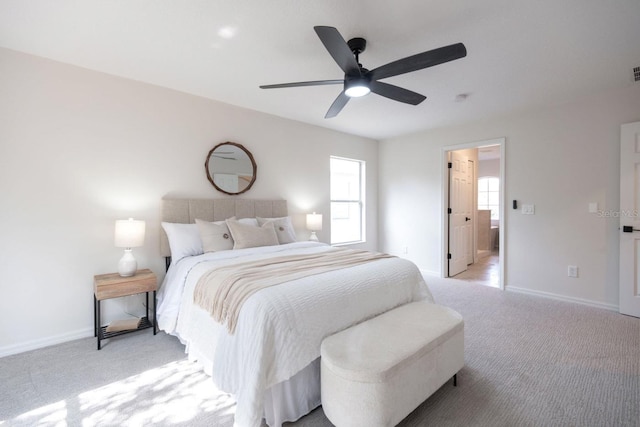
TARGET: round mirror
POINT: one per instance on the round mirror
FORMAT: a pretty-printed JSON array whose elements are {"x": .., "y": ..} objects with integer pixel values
[{"x": 230, "y": 168}]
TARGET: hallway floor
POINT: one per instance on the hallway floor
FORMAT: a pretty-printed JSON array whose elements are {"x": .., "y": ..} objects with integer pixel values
[{"x": 484, "y": 272}]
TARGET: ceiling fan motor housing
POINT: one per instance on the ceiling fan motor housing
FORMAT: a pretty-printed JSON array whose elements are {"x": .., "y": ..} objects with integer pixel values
[
  {"x": 356, "y": 85},
  {"x": 357, "y": 45}
]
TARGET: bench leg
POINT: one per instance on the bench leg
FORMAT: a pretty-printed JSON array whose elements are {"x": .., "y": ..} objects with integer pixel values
[{"x": 455, "y": 380}]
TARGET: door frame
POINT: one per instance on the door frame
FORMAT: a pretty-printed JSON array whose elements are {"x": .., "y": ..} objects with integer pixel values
[
  {"x": 628, "y": 299},
  {"x": 444, "y": 156}
]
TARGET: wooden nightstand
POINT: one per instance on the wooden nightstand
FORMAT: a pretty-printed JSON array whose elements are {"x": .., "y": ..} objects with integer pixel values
[{"x": 106, "y": 286}]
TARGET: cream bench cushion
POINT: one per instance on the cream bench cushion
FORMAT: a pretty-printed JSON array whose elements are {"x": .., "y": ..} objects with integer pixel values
[{"x": 377, "y": 372}]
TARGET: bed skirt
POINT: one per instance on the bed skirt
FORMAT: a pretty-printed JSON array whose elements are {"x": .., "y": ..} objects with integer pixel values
[
  {"x": 286, "y": 401},
  {"x": 291, "y": 400}
]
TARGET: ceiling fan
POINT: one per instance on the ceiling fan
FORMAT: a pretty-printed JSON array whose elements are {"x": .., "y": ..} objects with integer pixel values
[{"x": 358, "y": 81}]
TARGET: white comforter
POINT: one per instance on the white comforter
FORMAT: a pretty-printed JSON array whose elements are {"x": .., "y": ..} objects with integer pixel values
[{"x": 280, "y": 328}]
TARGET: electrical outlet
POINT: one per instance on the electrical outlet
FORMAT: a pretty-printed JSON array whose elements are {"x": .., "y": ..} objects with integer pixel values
[{"x": 572, "y": 271}]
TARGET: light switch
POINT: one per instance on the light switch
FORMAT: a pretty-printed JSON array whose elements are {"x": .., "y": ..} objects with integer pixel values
[
  {"x": 593, "y": 207},
  {"x": 528, "y": 209}
]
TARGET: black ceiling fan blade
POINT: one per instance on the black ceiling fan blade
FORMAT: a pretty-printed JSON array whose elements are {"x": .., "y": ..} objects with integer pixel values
[
  {"x": 337, "y": 105},
  {"x": 396, "y": 93},
  {"x": 420, "y": 61},
  {"x": 299, "y": 84},
  {"x": 339, "y": 49}
]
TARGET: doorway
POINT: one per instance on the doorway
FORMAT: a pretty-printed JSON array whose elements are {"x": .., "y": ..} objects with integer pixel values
[{"x": 473, "y": 217}]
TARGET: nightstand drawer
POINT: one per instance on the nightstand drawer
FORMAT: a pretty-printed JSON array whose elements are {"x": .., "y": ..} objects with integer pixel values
[{"x": 113, "y": 285}]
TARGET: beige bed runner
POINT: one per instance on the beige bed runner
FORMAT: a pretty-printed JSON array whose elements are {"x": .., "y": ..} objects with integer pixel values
[{"x": 222, "y": 290}]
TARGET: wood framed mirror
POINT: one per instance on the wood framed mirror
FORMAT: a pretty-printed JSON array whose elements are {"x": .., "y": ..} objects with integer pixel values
[{"x": 230, "y": 168}]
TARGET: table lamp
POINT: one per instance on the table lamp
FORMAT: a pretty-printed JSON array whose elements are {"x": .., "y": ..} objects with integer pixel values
[
  {"x": 129, "y": 234},
  {"x": 314, "y": 223}
]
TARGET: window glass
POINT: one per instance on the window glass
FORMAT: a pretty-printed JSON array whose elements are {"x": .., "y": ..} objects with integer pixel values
[
  {"x": 347, "y": 200},
  {"x": 489, "y": 195}
]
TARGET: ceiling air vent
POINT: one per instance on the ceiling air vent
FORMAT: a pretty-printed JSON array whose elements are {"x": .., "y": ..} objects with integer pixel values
[{"x": 636, "y": 74}]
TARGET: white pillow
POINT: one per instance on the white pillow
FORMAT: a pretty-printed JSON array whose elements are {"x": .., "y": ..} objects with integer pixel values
[
  {"x": 283, "y": 227},
  {"x": 247, "y": 221},
  {"x": 184, "y": 240},
  {"x": 215, "y": 236},
  {"x": 250, "y": 236}
]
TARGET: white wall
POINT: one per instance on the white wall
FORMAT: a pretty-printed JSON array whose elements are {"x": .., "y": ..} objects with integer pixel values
[
  {"x": 559, "y": 159},
  {"x": 489, "y": 167},
  {"x": 80, "y": 149}
]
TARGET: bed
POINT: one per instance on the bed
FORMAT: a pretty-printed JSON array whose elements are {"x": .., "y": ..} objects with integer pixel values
[{"x": 268, "y": 357}]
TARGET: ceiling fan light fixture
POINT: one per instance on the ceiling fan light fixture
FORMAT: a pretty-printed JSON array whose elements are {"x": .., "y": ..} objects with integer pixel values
[{"x": 355, "y": 88}]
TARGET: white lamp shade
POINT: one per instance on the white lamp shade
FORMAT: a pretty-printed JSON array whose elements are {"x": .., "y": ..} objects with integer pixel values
[
  {"x": 314, "y": 222},
  {"x": 129, "y": 233}
]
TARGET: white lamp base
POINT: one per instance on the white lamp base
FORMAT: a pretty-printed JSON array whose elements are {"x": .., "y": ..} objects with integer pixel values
[
  {"x": 127, "y": 266},
  {"x": 313, "y": 237}
]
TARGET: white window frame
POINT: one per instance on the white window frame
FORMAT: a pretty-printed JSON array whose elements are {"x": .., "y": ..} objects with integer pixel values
[{"x": 360, "y": 202}]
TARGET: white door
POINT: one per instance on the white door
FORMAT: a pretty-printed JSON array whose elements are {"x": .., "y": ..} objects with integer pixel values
[
  {"x": 459, "y": 217},
  {"x": 630, "y": 219}
]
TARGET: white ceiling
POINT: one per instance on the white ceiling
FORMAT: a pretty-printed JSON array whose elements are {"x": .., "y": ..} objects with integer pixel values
[{"x": 521, "y": 54}]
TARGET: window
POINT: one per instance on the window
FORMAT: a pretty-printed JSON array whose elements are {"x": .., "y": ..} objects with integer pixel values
[
  {"x": 489, "y": 195},
  {"x": 347, "y": 200}
]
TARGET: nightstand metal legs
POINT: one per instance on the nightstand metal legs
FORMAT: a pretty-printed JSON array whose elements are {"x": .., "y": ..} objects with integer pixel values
[
  {"x": 96, "y": 320},
  {"x": 155, "y": 313},
  {"x": 100, "y": 331}
]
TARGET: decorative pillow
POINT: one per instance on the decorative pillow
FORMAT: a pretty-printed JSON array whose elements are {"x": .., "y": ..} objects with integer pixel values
[
  {"x": 283, "y": 227},
  {"x": 250, "y": 236},
  {"x": 215, "y": 236},
  {"x": 184, "y": 240},
  {"x": 247, "y": 221}
]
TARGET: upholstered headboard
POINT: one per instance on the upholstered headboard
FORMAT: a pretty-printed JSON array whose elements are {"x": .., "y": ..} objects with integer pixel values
[{"x": 186, "y": 211}]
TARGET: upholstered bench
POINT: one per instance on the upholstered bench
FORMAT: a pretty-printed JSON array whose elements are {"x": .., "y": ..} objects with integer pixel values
[{"x": 377, "y": 372}]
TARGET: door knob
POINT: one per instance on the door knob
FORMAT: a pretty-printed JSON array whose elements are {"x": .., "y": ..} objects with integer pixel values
[{"x": 466, "y": 218}]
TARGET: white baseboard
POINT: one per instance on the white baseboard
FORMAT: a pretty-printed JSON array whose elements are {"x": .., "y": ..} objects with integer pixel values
[
  {"x": 8, "y": 350},
  {"x": 605, "y": 306}
]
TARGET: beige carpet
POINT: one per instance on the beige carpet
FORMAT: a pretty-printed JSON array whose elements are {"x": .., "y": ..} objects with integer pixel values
[{"x": 529, "y": 362}]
